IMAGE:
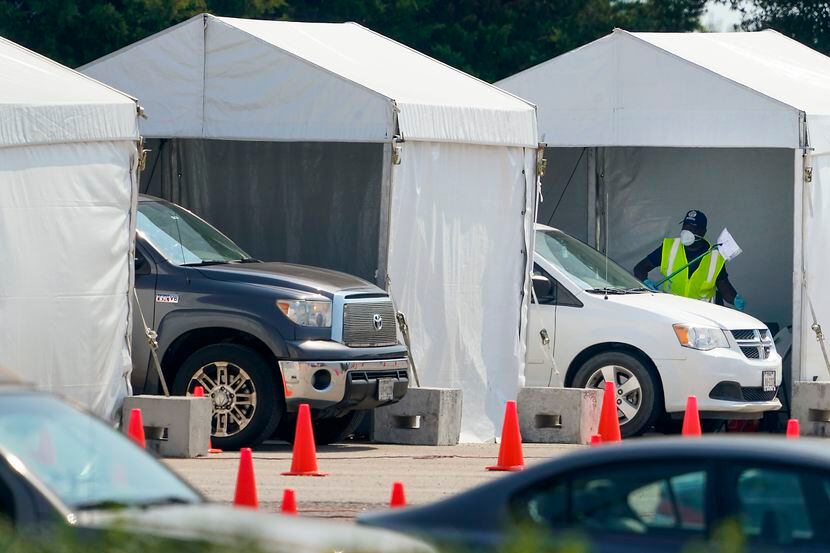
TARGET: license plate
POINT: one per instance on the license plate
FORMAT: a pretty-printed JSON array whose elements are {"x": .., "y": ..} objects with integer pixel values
[
  {"x": 386, "y": 389},
  {"x": 768, "y": 381}
]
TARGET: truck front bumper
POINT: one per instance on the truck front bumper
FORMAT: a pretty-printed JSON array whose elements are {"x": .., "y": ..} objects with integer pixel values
[{"x": 332, "y": 387}]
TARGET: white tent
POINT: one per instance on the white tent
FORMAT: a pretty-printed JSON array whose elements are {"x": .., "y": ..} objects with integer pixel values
[
  {"x": 68, "y": 158},
  {"x": 331, "y": 145},
  {"x": 643, "y": 126}
]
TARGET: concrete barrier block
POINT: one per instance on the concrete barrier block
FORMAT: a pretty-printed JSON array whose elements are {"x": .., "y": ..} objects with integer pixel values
[
  {"x": 559, "y": 415},
  {"x": 173, "y": 426},
  {"x": 425, "y": 416},
  {"x": 811, "y": 406}
]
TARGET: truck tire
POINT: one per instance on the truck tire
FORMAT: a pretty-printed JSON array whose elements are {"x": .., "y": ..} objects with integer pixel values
[
  {"x": 326, "y": 431},
  {"x": 247, "y": 403},
  {"x": 639, "y": 403}
]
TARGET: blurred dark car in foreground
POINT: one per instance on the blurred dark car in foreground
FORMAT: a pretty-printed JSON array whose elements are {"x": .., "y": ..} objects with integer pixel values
[
  {"x": 661, "y": 494},
  {"x": 66, "y": 475}
]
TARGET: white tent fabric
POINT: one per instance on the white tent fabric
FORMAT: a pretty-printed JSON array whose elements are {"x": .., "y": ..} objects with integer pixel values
[
  {"x": 706, "y": 90},
  {"x": 307, "y": 81},
  {"x": 68, "y": 153},
  {"x": 460, "y": 203},
  {"x": 453, "y": 274}
]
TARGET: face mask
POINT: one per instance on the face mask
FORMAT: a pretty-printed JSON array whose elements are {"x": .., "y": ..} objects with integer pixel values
[{"x": 687, "y": 238}]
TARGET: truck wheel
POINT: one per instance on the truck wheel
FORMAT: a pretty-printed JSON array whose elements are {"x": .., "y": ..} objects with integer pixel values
[
  {"x": 247, "y": 403},
  {"x": 638, "y": 401},
  {"x": 326, "y": 431}
]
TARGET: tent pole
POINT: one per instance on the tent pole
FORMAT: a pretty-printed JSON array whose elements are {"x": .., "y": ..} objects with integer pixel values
[
  {"x": 798, "y": 261},
  {"x": 591, "y": 163},
  {"x": 384, "y": 215}
]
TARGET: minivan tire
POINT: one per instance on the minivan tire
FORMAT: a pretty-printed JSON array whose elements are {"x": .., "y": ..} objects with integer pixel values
[
  {"x": 326, "y": 431},
  {"x": 651, "y": 403},
  {"x": 269, "y": 406}
]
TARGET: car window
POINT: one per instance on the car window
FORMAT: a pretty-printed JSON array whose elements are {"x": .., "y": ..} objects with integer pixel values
[
  {"x": 645, "y": 500},
  {"x": 782, "y": 506}
]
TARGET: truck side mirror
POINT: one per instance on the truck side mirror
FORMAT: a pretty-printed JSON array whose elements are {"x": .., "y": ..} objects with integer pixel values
[
  {"x": 544, "y": 289},
  {"x": 142, "y": 266}
]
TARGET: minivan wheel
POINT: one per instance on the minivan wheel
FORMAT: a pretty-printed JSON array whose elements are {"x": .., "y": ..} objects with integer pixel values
[
  {"x": 326, "y": 431},
  {"x": 247, "y": 404},
  {"x": 638, "y": 401}
]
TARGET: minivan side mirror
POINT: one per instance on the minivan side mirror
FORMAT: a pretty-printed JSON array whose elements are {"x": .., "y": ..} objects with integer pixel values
[{"x": 544, "y": 289}]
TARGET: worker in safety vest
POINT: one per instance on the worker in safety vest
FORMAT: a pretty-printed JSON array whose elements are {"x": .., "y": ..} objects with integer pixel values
[{"x": 702, "y": 279}]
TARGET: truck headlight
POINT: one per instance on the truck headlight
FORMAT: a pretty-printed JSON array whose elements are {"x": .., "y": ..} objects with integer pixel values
[
  {"x": 700, "y": 337},
  {"x": 312, "y": 313}
]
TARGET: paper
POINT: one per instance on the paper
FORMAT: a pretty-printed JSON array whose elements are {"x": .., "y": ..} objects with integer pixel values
[{"x": 727, "y": 246}]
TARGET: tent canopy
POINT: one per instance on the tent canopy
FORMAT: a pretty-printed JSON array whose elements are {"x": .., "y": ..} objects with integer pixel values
[
  {"x": 681, "y": 89},
  {"x": 307, "y": 81},
  {"x": 43, "y": 102}
]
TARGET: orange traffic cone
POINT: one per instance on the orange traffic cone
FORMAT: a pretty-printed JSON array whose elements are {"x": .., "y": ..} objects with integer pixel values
[
  {"x": 245, "y": 494},
  {"x": 198, "y": 391},
  {"x": 793, "y": 430},
  {"x": 691, "y": 419},
  {"x": 596, "y": 440},
  {"x": 289, "y": 502},
  {"x": 398, "y": 496},
  {"x": 304, "y": 458},
  {"x": 510, "y": 451},
  {"x": 609, "y": 420},
  {"x": 136, "y": 428}
]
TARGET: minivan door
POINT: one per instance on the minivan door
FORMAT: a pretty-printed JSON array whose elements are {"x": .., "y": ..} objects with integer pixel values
[{"x": 541, "y": 334}]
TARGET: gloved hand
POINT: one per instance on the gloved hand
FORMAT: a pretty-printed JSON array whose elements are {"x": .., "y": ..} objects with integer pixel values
[
  {"x": 650, "y": 284},
  {"x": 739, "y": 302}
]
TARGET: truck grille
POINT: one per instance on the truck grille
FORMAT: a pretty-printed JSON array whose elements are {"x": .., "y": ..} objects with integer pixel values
[
  {"x": 362, "y": 319},
  {"x": 754, "y": 343},
  {"x": 366, "y": 376}
]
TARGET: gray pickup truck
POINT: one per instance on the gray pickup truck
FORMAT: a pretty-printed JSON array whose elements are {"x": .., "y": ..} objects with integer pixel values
[{"x": 260, "y": 338}]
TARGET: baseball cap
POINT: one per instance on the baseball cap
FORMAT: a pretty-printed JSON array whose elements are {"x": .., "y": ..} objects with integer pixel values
[{"x": 696, "y": 218}]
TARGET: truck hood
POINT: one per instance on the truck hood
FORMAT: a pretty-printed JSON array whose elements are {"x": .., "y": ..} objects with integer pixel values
[
  {"x": 685, "y": 310},
  {"x": 287, "y": 275},
  {"x": 231, "y": 526}
]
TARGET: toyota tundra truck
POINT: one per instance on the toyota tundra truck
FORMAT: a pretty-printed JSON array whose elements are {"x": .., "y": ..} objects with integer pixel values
[{"x": 259, "y": 338}]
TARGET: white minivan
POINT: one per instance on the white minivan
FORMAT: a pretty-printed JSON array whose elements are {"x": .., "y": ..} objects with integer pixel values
[{"x": 592, "y": 321}]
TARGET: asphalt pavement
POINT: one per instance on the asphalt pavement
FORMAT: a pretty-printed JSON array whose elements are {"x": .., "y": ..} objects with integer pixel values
[{"x": 360, "y": 474}]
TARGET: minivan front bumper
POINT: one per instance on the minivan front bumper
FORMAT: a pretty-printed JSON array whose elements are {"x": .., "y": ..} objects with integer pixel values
[
  {"x": 701, "y": 372},
  {"x": 333, "y": 387}
]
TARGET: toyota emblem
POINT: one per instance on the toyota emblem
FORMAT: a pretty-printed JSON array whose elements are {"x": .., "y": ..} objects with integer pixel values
[{"x": 377, "y": 320}]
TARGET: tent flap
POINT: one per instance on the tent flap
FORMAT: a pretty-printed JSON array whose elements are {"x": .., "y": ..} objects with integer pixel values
[
  {"x": 65, "y": 238},
  {"x": 458, "y": 214}
]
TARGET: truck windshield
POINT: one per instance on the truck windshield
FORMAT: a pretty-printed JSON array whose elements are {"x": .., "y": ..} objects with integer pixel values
[
  {"x": 184, "y": 239},
  {"x": 583, "y": 264},
  {"x": 84, "y": 462}
]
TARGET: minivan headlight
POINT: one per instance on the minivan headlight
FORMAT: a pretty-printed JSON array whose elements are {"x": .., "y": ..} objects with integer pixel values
[
  {"x": 700, "y": 337},
  {"x": 313, "y": 313}
]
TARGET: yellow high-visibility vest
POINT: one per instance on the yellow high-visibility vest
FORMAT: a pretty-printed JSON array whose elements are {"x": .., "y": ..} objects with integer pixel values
[{"x": 701, "y": 285}]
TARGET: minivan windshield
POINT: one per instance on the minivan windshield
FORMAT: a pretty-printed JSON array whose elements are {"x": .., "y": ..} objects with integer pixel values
[
  {"x": 587, "y": 267},
  {"x": 184, "y": 239}
]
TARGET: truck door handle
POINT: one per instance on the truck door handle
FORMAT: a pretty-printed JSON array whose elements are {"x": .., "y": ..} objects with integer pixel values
[{"x": 545, "y": 337}]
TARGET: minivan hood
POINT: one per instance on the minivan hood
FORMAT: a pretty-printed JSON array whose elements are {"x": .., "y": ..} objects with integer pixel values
[
  {"x": 287, "y": 275},
  {"x": 685, "y": 310}
]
